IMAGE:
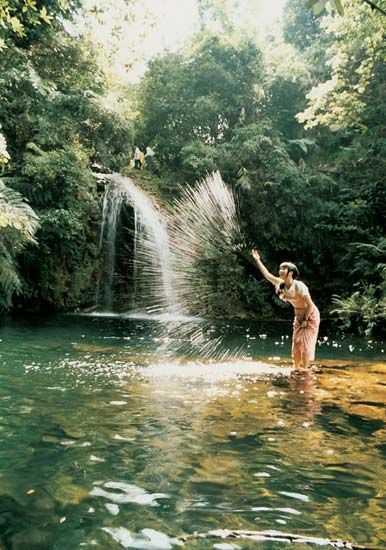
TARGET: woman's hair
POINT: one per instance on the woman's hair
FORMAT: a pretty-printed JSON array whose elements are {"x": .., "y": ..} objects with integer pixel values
[{"x": 291, "y": 267}]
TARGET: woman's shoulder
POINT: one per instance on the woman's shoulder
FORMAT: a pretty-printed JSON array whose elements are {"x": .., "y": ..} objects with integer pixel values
[
  {"x": 279, "y": 284},
  {"x": 301, "y": 288}
]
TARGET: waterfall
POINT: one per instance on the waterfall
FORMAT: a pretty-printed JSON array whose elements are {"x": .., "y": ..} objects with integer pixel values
[
  {"x": 112, "y": 202},
  {"x": 150, "y": 257}
]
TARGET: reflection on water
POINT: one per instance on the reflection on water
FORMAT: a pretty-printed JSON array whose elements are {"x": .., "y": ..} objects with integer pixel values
[{"x": 117, "y": 433}]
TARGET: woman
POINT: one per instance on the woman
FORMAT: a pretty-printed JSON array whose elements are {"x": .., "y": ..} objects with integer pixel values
[
  {"x": 137, "y": 158},
  {"x": 307, "y": 317}
]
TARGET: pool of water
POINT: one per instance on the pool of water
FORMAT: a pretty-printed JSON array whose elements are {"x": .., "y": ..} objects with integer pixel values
[{"x": 120, "y": 432}]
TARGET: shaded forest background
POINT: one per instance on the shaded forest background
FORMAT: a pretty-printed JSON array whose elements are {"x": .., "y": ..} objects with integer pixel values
[{"x": 295, "y": 124}]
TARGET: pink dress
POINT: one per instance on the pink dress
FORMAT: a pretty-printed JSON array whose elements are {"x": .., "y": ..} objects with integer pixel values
[{"x": 303, "y": 339}]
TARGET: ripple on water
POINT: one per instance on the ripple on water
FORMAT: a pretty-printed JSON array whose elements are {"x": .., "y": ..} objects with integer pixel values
[
  {"x": 224, "y": 440},
  {"x": 214, "y": 372},
  {"x": 297, "y": 496},
  {"x": 127, "y": 492},
  {"x": 147, "y": 539}
]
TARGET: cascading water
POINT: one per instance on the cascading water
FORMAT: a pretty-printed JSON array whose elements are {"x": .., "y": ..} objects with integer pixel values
[
  {"x": 112, "y": 202},
  {"x": 202, "y": 225},
  {"x": 150, "y": 255}
]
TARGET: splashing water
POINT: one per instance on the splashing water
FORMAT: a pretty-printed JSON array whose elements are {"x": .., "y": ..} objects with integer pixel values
[
  {"x": 150, "y": 256},
  {"x": 203, "y": 226}
]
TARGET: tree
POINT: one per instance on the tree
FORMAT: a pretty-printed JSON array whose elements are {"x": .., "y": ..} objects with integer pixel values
[
  {"x": 200, "y": 95},
  {"x": 57, "y": 124},
  {"x": 288, "y": 77},
  {"x": 22, "y": 22},
  {"x": 319, "y": 5},
  {"x": 300, "y": 27},
  {"x": 353, "y": 95}
]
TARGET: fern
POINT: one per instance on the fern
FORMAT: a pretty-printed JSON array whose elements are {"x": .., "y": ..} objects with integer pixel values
[
  {"x": 18, "y": 224},
  {"x": 362, "y": 310},
  {"x": 16, "y": 214},
  {"x": 33, "y": 148},
  {"x": 9, "y": 279},
  {"x": 303, "y": 144}
]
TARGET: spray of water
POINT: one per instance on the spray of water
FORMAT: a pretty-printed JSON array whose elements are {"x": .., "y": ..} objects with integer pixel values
[
  {"x": 167, "y": 264},
  {"x": 203, "y": 226}
]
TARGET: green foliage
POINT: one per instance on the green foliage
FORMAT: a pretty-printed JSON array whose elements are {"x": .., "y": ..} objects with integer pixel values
[
  {"x": 66, "y": 259},
  {"x": 362, "y": 311},
  {"x": 23, "y": 21},
  {"x": 221, "y": 104},
  {"x": 17, "y": 219},
  {"x": 301, "y": 27},
  {"x": 61, "y": 187},
  {"x": 199, "y": 95},
  {"x": 365, "y": 309},
  {"x": 319, "y": 5},
  {"x": 357, "y": 56},
  {"x": 18, "y": 224},
  {"x": 58, "y": 122},
  {"x": 215, "y": 11},
  {"x": 197, "y": 160},
  {"x": 54, "y": 94},
  {"x": 269, "y": 183}
]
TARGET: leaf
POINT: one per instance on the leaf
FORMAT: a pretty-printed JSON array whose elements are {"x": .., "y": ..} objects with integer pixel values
[
  {"x": 311, "y": 3},
  {"x": 337, "y": 4},
  {"x": 302, "y": 143},
  {"x": 64, "y": 5},
  {"x": 45, "y": 16},
  {"x": 16, "y": 214},
  {"x": 17, "y": 26},
  {"x": 31, "y": 4},
  {"x": 319, "y": 6}
]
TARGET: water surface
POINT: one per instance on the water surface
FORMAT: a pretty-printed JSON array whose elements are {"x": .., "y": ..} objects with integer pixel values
[{"x": 127, "y": 432}]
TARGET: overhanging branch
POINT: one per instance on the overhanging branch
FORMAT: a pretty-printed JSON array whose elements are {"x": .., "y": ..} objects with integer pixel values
[
  {"x": 374, "y": 6},
  {"x": 261, "y": 536}
]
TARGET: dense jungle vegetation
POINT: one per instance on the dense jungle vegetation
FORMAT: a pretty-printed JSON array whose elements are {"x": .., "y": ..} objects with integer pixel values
[{"x": 295, "y": 124}]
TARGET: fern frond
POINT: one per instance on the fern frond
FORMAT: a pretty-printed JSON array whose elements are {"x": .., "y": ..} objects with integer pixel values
[
  {"x": 33, "y": 148},
  {"x": 9, "y": 280},
  {"x": 15, "y": 213}
]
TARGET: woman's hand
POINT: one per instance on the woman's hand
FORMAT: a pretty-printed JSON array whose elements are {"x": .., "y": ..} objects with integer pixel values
[
  {"x": 255, "y": 255},
  {"x": 263, "y": 270},
  {"x": 304, "y": 323}
]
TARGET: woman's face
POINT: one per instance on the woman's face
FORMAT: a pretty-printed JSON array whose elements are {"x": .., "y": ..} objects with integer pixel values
[{"x": 283, "y": 271}]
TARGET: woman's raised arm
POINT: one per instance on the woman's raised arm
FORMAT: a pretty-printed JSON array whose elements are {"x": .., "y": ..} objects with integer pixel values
[{"x": 264, "y": 271}]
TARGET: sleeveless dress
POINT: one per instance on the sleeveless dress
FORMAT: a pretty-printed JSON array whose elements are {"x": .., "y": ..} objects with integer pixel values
[{"x": 303, "y": 339}]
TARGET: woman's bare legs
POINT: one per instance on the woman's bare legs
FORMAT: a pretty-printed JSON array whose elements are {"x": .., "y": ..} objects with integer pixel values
[
  {"x": 297, "y": 357},
  {"x": 300, "y": 361}
]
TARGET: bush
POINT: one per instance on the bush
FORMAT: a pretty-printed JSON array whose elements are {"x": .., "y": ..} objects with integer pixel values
[{"x": 362, "y": 311}]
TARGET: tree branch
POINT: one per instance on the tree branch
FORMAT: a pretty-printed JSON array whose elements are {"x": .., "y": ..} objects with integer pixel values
[
  {"x": 374, "y": 6},
  {"x": 261, "y": 536}
]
